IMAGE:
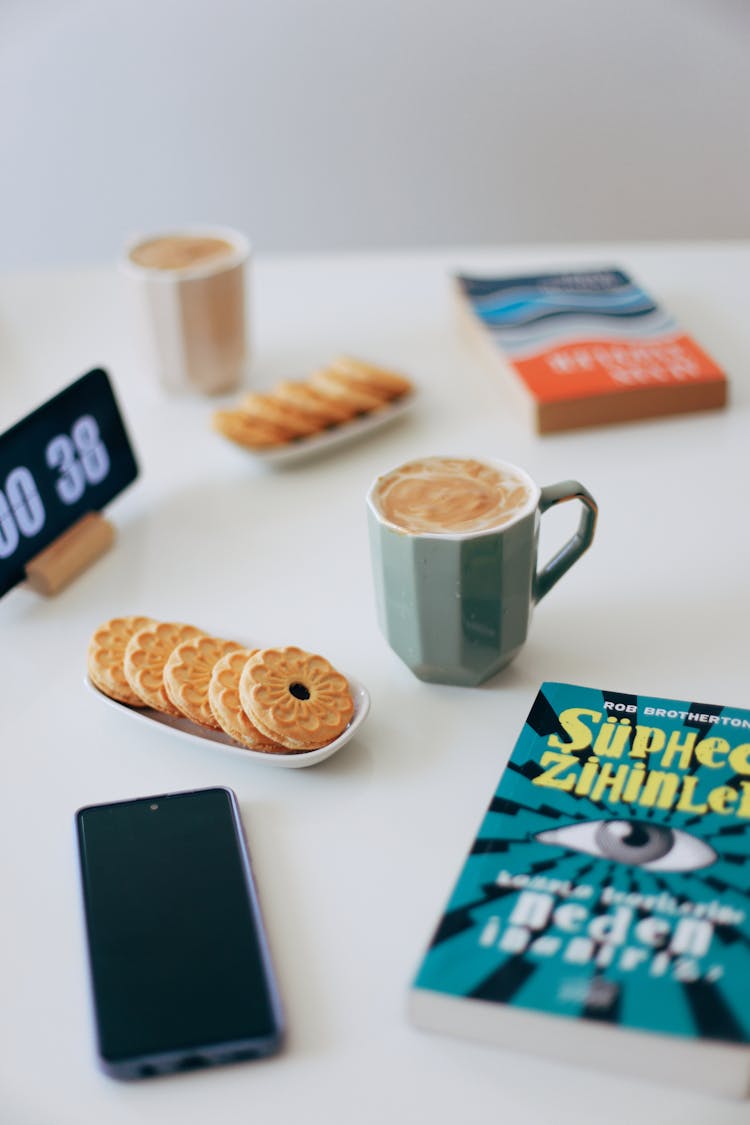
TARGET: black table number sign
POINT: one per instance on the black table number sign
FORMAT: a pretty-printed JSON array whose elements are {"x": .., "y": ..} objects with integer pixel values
[{"x": 68, "y": 457}]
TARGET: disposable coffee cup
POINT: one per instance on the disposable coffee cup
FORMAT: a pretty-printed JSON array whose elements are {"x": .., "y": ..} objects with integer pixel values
[
  {"x": 189, "y": 295},
  {"x": 454, "y": 559}
]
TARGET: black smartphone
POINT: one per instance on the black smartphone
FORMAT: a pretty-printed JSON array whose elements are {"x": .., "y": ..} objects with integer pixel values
[{"x": 180, "y": 966}]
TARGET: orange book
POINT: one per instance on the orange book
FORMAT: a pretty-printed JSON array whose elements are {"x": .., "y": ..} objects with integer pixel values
[{"x": 590, "y": 347}]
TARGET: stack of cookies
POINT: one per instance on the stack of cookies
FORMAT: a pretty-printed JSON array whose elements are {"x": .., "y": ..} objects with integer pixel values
[
  {"x": 276, "y": 700},
  {"x": 343, "y": 390}
]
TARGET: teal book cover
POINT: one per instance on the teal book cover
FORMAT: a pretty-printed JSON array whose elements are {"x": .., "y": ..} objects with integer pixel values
[{"x": 609, "y": 878}]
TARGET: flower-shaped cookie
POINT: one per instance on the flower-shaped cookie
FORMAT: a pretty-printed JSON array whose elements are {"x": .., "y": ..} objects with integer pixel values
[
  {"x": 146, "y": 653},
  {"x": 224, "y": 700},
  {"x": 106, "y": 654},
  {"x": 296, "y": 698},
  {"x": 187, "y": 675}
]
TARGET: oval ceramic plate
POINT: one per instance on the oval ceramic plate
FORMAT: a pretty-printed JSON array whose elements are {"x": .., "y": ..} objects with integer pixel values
[
  {"x": 300, "y": 448},
  {"x": 218, "y": 740}
]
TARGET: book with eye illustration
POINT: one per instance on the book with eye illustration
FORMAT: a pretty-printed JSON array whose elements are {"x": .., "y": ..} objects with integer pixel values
[
  {"x": 588, "y": 347},
  {"x": 602, "y": 915}
]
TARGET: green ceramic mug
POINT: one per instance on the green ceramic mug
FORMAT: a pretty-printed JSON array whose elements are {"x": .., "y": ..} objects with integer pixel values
[{"x": 454, "y": 557}]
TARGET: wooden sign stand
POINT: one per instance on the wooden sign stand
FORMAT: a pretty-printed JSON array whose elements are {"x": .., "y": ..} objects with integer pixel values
[{"x": 70, "y": 554}]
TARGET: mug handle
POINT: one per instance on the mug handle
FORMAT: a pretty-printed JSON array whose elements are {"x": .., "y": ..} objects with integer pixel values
[{"x": 553, "y": 494}]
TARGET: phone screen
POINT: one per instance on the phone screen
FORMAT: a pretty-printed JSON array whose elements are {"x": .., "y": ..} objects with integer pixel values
[{"x": 180, "y": 969}]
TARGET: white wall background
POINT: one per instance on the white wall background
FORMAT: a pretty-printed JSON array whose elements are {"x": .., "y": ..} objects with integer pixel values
[{"x": 326, "y": 124}]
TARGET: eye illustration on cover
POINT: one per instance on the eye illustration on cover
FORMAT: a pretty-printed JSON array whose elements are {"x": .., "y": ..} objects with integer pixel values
[{"x": 652, "y": 847}]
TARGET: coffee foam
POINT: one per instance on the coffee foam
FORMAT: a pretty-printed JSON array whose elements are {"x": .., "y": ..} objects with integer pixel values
[
  {"x": 180, "y": 251},
  {"x": 450, "y": 495}
]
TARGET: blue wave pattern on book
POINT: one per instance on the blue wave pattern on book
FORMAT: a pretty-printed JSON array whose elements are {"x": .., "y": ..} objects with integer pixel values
[
  {"x": 522, "y": 312},
  {"x": 694, "y": 996}
]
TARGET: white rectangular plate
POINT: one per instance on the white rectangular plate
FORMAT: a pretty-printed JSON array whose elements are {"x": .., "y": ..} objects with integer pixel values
[{"x": 217, "y": 740}]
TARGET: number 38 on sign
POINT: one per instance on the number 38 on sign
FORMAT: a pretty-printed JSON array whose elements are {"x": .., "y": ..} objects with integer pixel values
[{"x": 70, "y": 456}]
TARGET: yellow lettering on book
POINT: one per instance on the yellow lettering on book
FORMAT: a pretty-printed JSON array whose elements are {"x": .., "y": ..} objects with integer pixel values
[
  {"x": 720, "y": 797},
  {"x": 573, "y": 725},
  {"x": 674, "y": 782},
  {"x": 588, "y": 773},
  {"x": 554, "y": 764},
  {"x": 660, "y": 790},
  {"x": 684, "y": 750},
  {"x": 647, "y": 740},
  {"x": 707, "y": 751},
  {"x": 744, "y": 809},
  {"x": 614, "y": 782},
  {"x": 612, "y": 738},
  {"x": 634, "y": 784},
  {"x": 739, "y": 759},
  {"x": 685, "y": 803}
]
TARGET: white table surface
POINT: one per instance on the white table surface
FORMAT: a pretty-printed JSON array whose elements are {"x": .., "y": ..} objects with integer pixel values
[{"x": 354, "y": 858}]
